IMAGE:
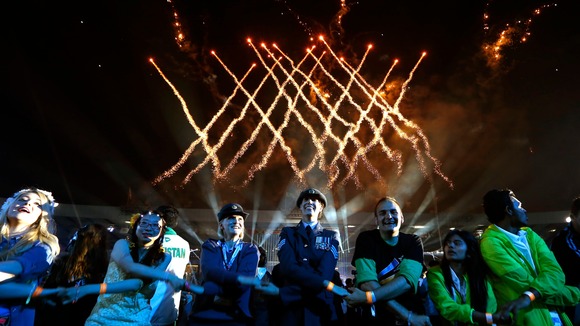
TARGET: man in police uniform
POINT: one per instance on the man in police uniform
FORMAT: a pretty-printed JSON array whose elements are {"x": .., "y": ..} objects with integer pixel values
[{"x": 308, "y": 255}]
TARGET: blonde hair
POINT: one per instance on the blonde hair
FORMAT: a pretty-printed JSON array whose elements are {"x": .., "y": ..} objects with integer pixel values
[{"x": 41, "y": 230}]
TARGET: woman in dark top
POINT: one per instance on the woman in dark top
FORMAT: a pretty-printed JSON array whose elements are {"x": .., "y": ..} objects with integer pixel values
[{"x": 84, "y": 262}]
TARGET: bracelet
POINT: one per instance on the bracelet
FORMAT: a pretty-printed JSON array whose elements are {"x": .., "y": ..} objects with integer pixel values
[
  {"x": 37, "y": 291},
  {"x": 531, "y": 295},
  {"x": 409, "y": 318},
  {"x": 371, "y": 297},
  {"x": 488, "y": 318},
  {"x": 330, "y": 286},
  {"x": 31, "y": 292},
  {"x": 103, "y": 288}
]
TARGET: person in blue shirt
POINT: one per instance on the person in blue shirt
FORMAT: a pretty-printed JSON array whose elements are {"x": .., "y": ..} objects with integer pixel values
[
  {"x": 28, "y": 246},
  {"x": 223, "y": 300},
  {"x": 308, "y": 255}
]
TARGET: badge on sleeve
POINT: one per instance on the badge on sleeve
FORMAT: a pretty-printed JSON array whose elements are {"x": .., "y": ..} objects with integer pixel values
[
  {"x": 334, "y": 252},
  {"x": 281, "y": 243}
]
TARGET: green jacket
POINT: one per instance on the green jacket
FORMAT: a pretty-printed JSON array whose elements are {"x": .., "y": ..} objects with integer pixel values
[
  {"x": 512, "y": 275},
  {"x": 452, "y": 310}
]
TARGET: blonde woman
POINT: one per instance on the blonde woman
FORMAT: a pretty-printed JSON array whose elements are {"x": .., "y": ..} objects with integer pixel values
[
  {"x": 224, "y": 300},
  {"x": 27, "y": 249}
]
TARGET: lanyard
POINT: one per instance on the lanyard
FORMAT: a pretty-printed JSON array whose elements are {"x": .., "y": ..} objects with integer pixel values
[{"x": 228, "y": 265}]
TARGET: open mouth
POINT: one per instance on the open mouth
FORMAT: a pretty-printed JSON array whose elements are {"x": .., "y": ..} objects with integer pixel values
[{"x": 23, "y": 210}]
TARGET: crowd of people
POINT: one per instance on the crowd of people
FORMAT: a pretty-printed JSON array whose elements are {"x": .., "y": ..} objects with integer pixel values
[{"x": 508, "y": 276}]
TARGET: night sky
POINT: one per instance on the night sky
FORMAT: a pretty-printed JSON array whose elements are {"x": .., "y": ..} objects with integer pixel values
[{"x": 87, "y": 116}]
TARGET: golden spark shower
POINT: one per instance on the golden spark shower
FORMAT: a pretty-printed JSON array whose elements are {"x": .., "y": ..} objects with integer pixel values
[{"x": 344, "y": 117}]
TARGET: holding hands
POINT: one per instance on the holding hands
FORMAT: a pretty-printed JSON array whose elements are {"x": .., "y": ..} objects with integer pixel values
[
  {"x": 356, "y": 298},
  {"x": 265, "y": 287},
  {"x": 337, "y": 290},
  {"x": 176, "y": 282}
]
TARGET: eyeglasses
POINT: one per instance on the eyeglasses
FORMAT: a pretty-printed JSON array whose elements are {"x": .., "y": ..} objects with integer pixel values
[{"x": 145, "y": 225}]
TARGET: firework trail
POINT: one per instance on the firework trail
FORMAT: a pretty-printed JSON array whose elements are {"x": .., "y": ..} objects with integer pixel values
[{"x": 291, "y": 81}]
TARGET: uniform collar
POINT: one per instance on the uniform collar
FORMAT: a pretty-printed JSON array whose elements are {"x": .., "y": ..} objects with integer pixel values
[{"x": 313, "y": 225}]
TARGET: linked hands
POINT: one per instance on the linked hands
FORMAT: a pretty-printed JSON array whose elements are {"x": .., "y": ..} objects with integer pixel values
[
  {"x": 71, "y": 295},
  {"x": 64, "y": 296},
  {"x": 419, "y": 320},
  {"x": 356, "y": 298},
  {"x": 176, "y": 282},
  {"x": 195, "y": 289},
  {"x": 509, "y": 311},
  {"x": 271, "y": 289},
  {"x": 268, "y": 289},
  {"x": 337, "y": 290},
  {"x": 54, "y": 296},
  {"x": 265, "y": 287}
]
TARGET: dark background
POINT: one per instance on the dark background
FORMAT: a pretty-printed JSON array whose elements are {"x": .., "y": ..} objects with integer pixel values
[{"x": 86, "y": 115}]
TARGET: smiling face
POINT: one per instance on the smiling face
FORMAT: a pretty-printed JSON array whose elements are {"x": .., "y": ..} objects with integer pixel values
[
  {"x": 311, "y": 208},
  {"x": 389, "y": 218},
  {"x": 149, "y": 228},
  {"x": 232, "y": 227},
  {"x": 25, "y": 210},
  {"x": 455, "y": 249}
]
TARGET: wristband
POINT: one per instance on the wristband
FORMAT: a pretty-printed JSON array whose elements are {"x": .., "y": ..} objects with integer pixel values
[
  {"x": 103, "y": 288},
  {"x": 371, "y": 297},
  {"x": 530, "y": 295},
  {"x": 488, "y": 318},
  {"x": 330, "y": 286},
  {"x": 37, "y": 291}
]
